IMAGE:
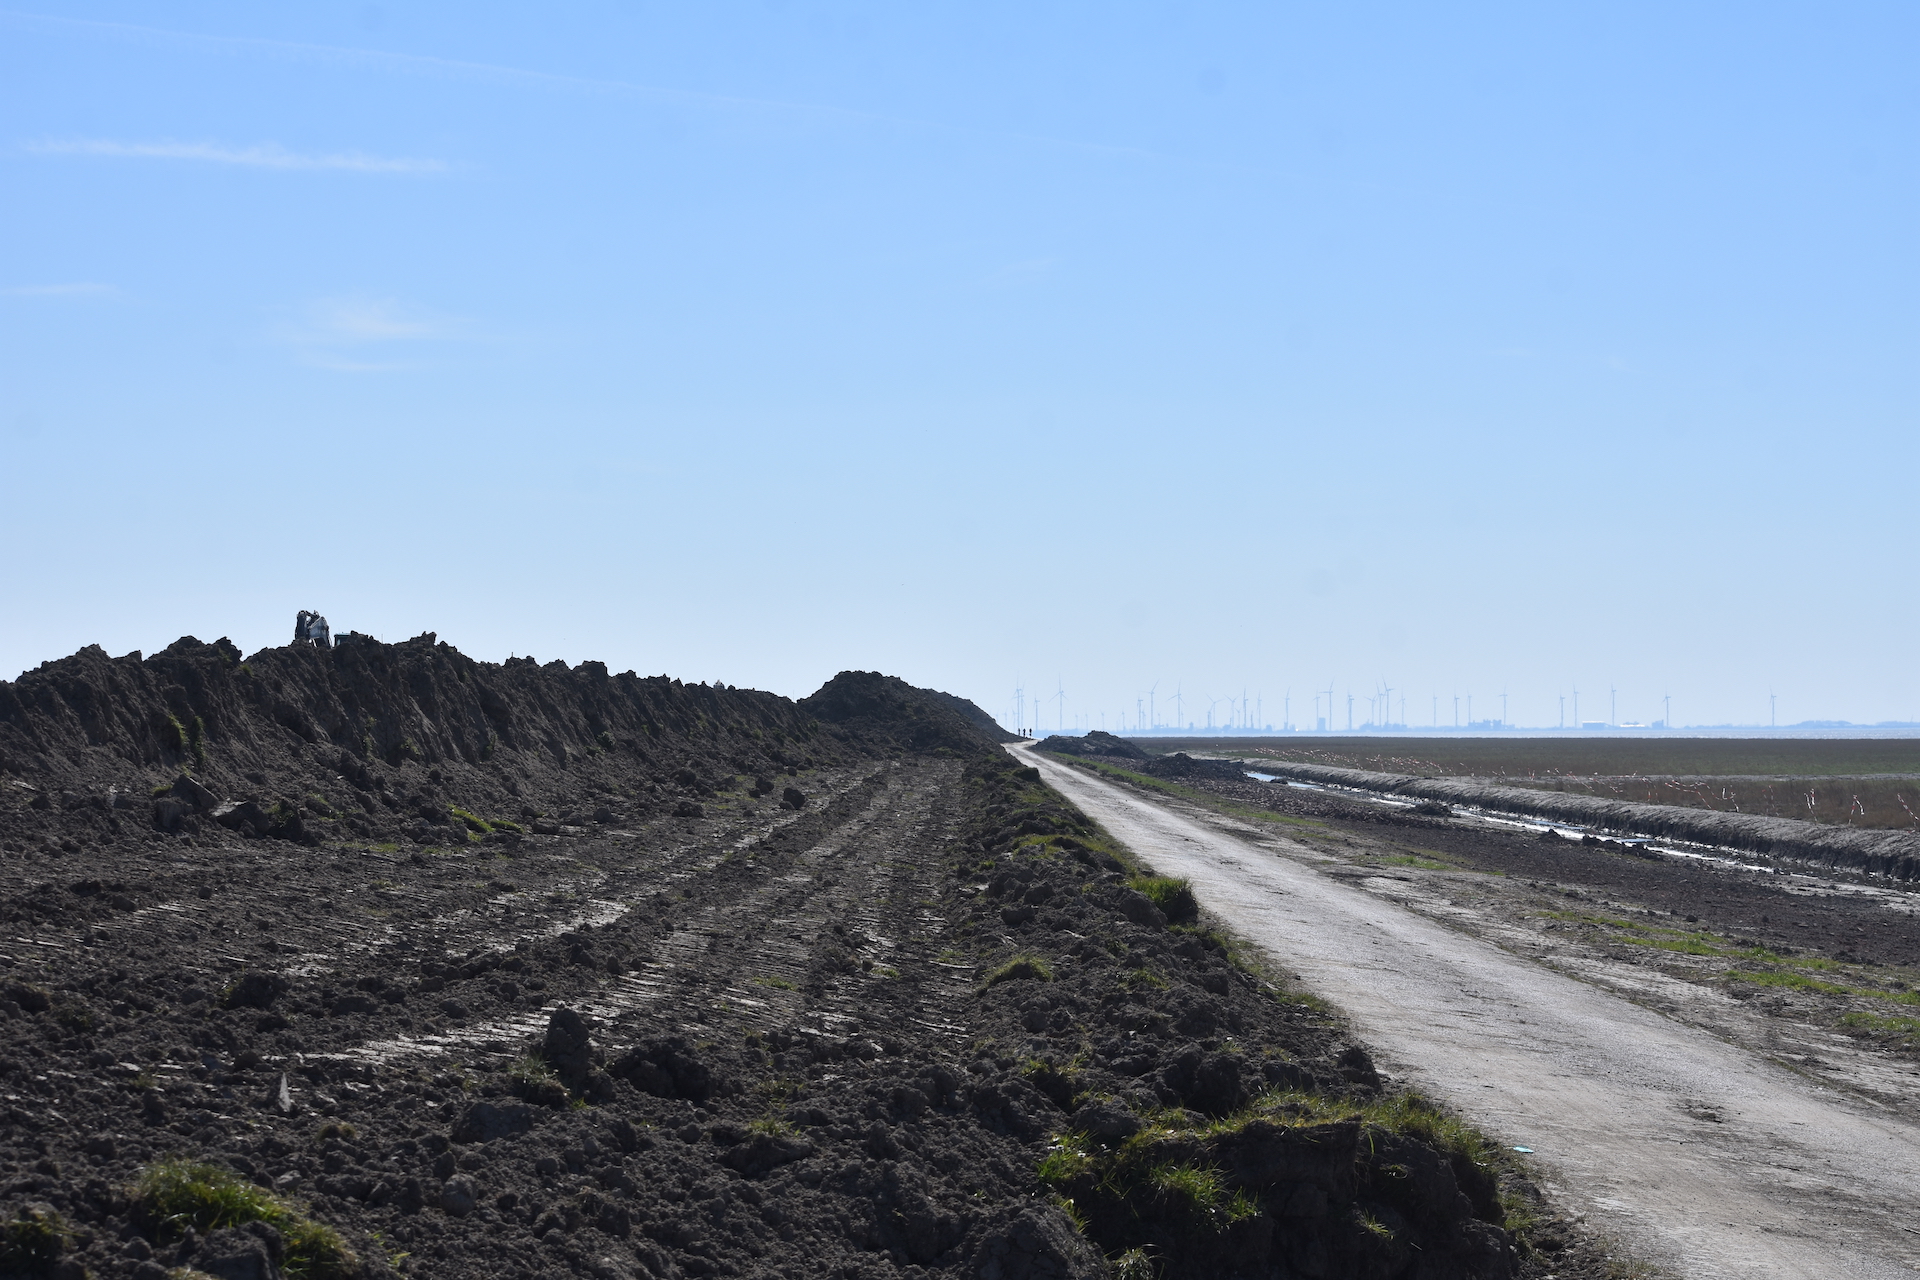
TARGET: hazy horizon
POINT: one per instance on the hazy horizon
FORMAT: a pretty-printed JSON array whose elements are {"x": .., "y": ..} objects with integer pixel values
[{"x": 1112, "y": 349}]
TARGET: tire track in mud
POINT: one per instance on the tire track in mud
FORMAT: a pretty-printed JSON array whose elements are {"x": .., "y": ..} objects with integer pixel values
[
  {"x": 335, "y": 915},
  {"x": 752, "y": 962}
]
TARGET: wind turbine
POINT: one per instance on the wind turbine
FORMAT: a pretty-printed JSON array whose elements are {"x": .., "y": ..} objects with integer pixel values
[{"x": 1059, "y": 706}]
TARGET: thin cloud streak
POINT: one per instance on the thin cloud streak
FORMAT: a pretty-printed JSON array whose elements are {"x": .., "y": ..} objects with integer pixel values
[
  {"x": 520, "y": 77},
  {"x": 354, "y": 334},
  {"x": 76, "y": 290},
  {"x": 495, "y": 73},
  {"x": 266, "y": 155},
  {"x": 356, "y": 320}
]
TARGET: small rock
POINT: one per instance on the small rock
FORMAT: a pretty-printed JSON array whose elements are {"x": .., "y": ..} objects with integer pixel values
[
  {"x": 203, "y": 800},
  {"x": 252, "y": 1252},
  {"x": 255, "y": 991},
  {"x": 623, "y": 1134},
  {"x": 765, "y": 1151},
  {"x": 170, "y": 813},
  {"x": 1139, "y": 908},
  {"x": 458, "y": 1196},
  {"x": 1357, "y": 1066},
  {"x": 490, "y": 1121},
  {"x": 568, "y": 1048}
]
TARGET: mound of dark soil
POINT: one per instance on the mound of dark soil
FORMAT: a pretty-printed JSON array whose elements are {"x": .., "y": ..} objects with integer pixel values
[
  {"x": 1181, "y": 765},
  {"x": 886, "y": 709},
  {"x": 416, "y": 742},
  {"x": 970, "y": 713},
  {"x": 1097, "y": 742}
]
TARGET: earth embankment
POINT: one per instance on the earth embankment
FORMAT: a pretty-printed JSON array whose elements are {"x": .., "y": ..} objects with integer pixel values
[{"x": 416, "y": 741}]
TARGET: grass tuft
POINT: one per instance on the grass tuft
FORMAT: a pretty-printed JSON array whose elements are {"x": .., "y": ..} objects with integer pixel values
[
  {"x": 332, "y": 1130},
  {"x": 1882, "y": 1023},
  {"x": 1031, "y": 968},
  {"x": 1174, "y": 897},
  {"x": 34, "y": 1241},
  {"x": 1796, "y": 981},
  {"x": 174, "y": 1195}
]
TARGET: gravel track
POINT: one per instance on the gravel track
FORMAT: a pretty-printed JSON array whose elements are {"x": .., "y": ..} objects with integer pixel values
[{"x": 1694, "y": 1153}]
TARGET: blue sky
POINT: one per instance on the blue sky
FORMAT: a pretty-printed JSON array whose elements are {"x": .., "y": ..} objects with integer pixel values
[{"x": 1102, "y": 346}]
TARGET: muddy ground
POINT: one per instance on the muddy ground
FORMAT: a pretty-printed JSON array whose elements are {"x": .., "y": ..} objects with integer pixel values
[
  {"x": 534, "y": 971},
  {"x": 1862, "y": 783}
]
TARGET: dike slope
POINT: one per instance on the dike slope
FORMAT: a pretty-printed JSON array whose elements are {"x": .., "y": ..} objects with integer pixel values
[{"x": 417, "y": 741}]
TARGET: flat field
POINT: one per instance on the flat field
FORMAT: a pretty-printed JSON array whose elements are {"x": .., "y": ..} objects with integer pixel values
[{"x": 1867, "y": 782}]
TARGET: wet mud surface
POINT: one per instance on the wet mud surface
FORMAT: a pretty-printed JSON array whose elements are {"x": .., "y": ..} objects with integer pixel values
[{"x": 1847, "y": 917}]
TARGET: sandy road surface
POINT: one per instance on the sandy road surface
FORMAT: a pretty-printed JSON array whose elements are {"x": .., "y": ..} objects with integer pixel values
[{"x": 1694, "y": 1153}]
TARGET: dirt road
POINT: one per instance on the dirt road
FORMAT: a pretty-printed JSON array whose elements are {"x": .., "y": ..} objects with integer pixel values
[{"x": 1694, "y": 1153}]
